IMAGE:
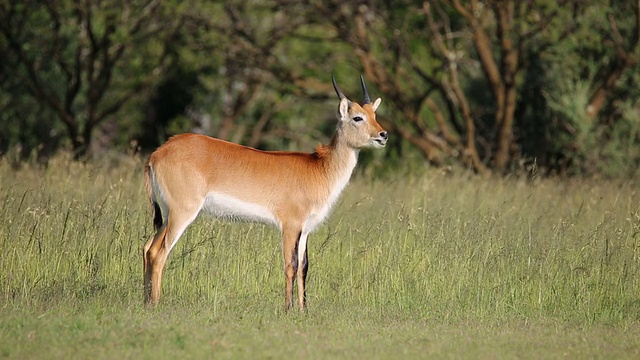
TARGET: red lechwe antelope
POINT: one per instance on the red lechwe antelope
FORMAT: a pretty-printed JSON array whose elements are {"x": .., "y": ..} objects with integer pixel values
[{"x": 292, "y": 190}]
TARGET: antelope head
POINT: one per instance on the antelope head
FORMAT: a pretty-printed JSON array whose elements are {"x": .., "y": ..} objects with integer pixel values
[{"x": 358, "y": 125}]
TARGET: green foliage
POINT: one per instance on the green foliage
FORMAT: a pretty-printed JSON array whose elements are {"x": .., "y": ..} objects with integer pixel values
[
  {"x": 81, "y": 62},
  {"x": 25, "y": 133},
  {"x": 258, "y": 73},
  {"x": 608, "y": 148}
]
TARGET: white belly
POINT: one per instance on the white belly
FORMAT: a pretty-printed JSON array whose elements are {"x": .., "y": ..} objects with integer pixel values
[{"x": 225, "y": 206}]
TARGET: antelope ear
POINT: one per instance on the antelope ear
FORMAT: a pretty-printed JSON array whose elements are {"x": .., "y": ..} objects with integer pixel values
[
  {"x": 344, "y": 109},
  {"x": 376, "y": 104}
]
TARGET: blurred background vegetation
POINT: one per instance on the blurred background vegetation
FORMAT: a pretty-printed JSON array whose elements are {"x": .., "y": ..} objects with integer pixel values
[{"x": 498, "y": 86}]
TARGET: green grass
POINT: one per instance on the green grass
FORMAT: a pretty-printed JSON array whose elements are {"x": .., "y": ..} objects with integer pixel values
[{"x": 439, "y": 265}]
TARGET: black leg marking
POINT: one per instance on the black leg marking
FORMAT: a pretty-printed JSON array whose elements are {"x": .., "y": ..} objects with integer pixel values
[
  {"x": 157, "y": 216},
  {"x": 294, "y": 259},
  {"x": 305, "y": 268}
]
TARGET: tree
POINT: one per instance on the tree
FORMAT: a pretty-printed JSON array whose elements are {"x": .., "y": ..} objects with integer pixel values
[
  {"x": 623, "y": 49},
  {"x": 85, "y": 59},
  {"x": 593, "y": 98},
  {"x": 490, "y": 84},
  {"x": 424, "y": 56},
  {"x": 253, "y": 65}
]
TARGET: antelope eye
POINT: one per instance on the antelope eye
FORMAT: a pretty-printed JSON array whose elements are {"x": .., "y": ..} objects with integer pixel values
[{"x": 357, "y": 118}]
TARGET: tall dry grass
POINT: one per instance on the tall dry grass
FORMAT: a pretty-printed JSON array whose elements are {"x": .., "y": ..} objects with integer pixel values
[{"x": 435, "y": 246}]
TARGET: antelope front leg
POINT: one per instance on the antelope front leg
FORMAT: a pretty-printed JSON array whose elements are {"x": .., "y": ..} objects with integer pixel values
[
  {"x": 303, "y": 266},
  {"x": 290, "y": 253}
]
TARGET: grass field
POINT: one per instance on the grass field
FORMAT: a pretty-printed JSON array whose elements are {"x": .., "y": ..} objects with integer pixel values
[{"x": 443, "y": 265}]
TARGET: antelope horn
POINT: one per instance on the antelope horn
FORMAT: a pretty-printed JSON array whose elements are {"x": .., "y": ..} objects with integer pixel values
[
  {"x": 337, "y": 89},
  {"x": 367, "y": 99}
]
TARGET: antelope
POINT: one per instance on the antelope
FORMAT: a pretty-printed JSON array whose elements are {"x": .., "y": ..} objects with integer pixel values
[{"x": 291, "y": 190}]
